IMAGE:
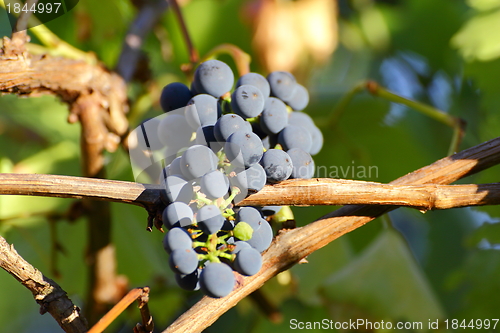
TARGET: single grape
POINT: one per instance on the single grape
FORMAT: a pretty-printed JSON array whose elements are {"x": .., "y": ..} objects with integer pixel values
[
  {"x": 282, "y": 84},
  {"x": 228, "y": 124},
  {"x": 300, "y": 119},
  {"x": 217, "y": 279},
  {"x": 214, "y": 184},
  {"x": 256, "y": 177},
  {"x": 206, "y": 111},
  {"x": 248, "y": 261},
  {"x": 277, "y": 165},
  {"x": 295, "y": 137},
  {"x": 174, "y": 96},
  {"x": 177, "y": 239},
  {"x": 256, "y": 80},
  {"x": 210, "y": 219},
  {"x": 240, "y": 245},
  {"x": 300, "y": 98},
  {"x": 244, "y": 148},
  {"x": 177, "y": 214},
  {"x": 176, "y": 189},
  {"x": 174, "y": 131},
  {"x": 213, "y": 77},
  {"x": 190, "y": 282},
  {"x": 251, "y": 216},
  {"x": 303, "y": 164},
  {"x": 304, "y": 120},
  {"x": 197, "y": 160},
  {"x": 274, "y": 117},
  {"x": 183, "y": 261},
  {"x": 262, "y": 237},
  {"x": 247, "y": 101}
]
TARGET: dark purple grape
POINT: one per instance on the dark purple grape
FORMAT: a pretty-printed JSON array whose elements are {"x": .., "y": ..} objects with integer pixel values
[
  {"x": 174, "y": 96},
  {"x": 213, "y": 77},
  {"x": 256, "y": 80},
  {"x": 300, "y": 119},
  {"x": 198, "y": 160},
  {"x": 300, "y": 98},
  {"x": 206, "y": 111},
  {"x": 183, "y": 261},
  {"x": 217, "y": 280},
  {"x": 247, "y": 101},
  {"x": 177, "y": 214},
  {"x": 277, "y": 165},
  {"x": 295, "y": 137},
  {"x": 248, "y": 261},
  {"x": 251, "y": 216},
  {"x": 274, "y": 117},
  {"x": 214, "y": 184},
  {"x": 210, "y": 219},
  {"x": 282, "y": 84},
  {"x": 252, "y": 179},
  {"x": 228, "y": 124},
  {"x": 249, "y": 181},
  {"x": 304, "y": 120},
  {"x": 262, "y": 237},
  {"x": 240, "y": 245},
  {"x": 244, "y": 148},
  {"x": 177, "y": 239},
  {"x": 303, "y": 164}
]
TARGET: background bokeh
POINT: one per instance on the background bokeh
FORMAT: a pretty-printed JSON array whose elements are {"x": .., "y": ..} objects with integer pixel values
[{"x": 406, "y": 266}]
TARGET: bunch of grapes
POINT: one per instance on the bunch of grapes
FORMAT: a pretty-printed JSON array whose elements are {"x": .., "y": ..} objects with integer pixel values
[{"x": 224, "y": 146}]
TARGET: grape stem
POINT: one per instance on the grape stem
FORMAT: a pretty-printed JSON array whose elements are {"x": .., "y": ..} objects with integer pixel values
[
  {"x": 194, "y": 58},
  {"x": 457, "y": 124}
]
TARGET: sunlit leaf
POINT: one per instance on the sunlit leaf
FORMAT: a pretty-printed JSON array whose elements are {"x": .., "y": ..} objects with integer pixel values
[{"x": 478, "y": 38}]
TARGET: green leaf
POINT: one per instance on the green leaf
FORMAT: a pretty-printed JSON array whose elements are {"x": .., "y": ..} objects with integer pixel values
[
  {"x": 479, "y": 300},
  {"x": 484, "y": 5},
  {"x": 321, "y": 264},
  {"x": 478, "y": 38},
  {"x": 386, "y": 282}
]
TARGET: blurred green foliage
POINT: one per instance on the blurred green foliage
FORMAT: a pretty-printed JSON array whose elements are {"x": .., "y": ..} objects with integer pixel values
[{"x": 406, "y": 267}]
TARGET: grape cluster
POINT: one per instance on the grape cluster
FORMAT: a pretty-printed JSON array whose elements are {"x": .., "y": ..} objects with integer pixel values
[{"x": 224, "y": 146}]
